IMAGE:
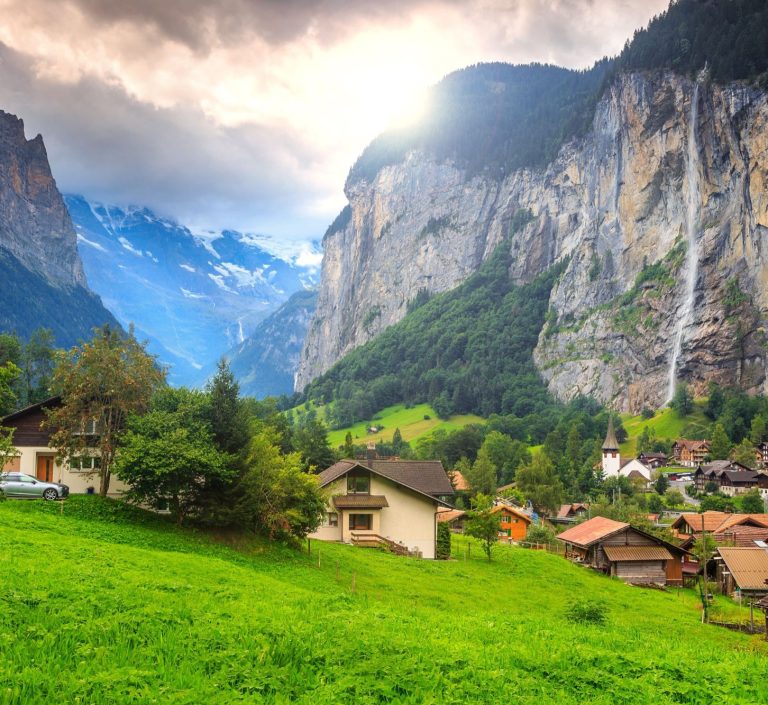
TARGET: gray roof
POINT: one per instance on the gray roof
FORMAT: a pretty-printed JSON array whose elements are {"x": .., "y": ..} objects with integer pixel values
[{"x": 424, "y": 476}]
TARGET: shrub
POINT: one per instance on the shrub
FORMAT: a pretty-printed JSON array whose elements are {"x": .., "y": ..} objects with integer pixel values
[
  {"x": 587, "y": 612},
  {"x": 538, "y": 533},
  {"x": 647, "y": 413},
  {"x": 443, "y": 541}
]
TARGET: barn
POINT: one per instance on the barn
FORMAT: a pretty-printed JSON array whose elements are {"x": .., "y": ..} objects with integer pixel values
[{"x": 624, "y": 551}]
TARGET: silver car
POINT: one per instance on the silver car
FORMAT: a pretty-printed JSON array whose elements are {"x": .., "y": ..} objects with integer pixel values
[{"x": 17, "y": 484}]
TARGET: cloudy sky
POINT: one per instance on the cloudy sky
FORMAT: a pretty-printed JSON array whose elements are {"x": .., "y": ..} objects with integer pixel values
[{"x": 247, "y": 114}]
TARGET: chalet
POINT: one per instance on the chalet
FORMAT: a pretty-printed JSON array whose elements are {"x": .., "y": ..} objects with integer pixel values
[
  {"x": 38, "y": 459},
  {"x": 568, "y": 513},
  {"x": 389, "y": 503},
  {"x": 729, "y": 477},
  {"x": 690, "y": 453},
  {"x": 620, "y": 550},
  {"x": 653, "y": 460},
  {"x": 761, "y": 453},
  {"x": 513, "y": 522},
  {"x": 743, "y": 569}
]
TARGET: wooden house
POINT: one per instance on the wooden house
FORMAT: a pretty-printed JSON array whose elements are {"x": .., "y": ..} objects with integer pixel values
[
  {"x": 568, "y": 513},
  {"x": 385, "y": 503},
  {"x": 38, "y": 459},
  {"x": 729, "y": 477},
  {"x": 455, "y": 518},
  {"x": 513, "y": 522},
  {"x": 744, "y": 569},
  {"x": 623, "y": 551},
  {"x": 653, "y": 460},
  {"x": 761, "y": 453},
  {"x": 690, "y": 453}
]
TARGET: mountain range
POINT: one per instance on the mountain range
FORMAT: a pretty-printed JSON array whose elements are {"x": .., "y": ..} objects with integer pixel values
[{"x": 193, "y": 296}]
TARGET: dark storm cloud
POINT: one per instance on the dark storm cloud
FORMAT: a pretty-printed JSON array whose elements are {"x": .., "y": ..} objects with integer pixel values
[{"x": 200, "y": 23}]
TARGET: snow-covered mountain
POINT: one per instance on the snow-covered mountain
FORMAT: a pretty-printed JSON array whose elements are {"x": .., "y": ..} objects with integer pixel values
[{"x": 193, "y": 296}]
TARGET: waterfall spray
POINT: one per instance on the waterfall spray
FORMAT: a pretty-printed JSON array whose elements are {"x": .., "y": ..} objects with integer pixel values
[{"x": 692, "y": 254}]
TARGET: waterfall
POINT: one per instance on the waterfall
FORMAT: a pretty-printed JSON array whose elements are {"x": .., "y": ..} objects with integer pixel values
[{"x": 692, "y": 254}]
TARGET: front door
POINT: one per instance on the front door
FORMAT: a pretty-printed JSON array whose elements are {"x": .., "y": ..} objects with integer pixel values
[{"x": 45, "y": 468}]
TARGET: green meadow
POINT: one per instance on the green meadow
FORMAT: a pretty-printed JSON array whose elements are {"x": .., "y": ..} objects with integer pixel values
[
  {"x": 410, "y": 420},
  {"x": 103, "y": 605},
  {"x": 666, "y": 423}
]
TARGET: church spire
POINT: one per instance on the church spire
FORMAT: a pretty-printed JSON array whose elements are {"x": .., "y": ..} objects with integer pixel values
[{"x": 610, "y": 442}]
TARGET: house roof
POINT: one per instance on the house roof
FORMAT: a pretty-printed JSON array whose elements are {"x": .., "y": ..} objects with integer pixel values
[
  {"x": 707, "y": 521},
  {"x": 744, "y": 535},
  {"x": 610, "y": 442},
  {"x": 565, "y": 509},
  {"x": 459, "y": 482},
  {"x": 748, "y": 566},
  {"x": 732, "y": 520},
  {"x": 591, "y": 531},
  {"x": 637, "y": 553},
  {"x": 719, "y": 467},
  {"x": 360, "y": 501},
  {"x": 739, "y": 476},
  {"x": 450, "y": 514},
  {"x": 511, "y": 510},
  {"x": 691, "y": 444},
  {"x": 421, "y": 476},
  {"x": 46, "y": 403}
]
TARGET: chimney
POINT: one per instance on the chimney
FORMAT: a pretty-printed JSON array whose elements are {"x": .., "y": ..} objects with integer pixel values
[{"x": 370, "y": 452}]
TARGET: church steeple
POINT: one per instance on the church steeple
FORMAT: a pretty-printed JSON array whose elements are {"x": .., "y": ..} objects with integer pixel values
[
  {"x": 610, "y": 442},
  {"x": 611, "y": 457}
]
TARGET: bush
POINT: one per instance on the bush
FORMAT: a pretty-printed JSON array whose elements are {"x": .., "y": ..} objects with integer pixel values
[
  {"x": 647, "y": 413},
  {"x": 538, "y": 533},
  {"x": 443, "y": 541},
  {"x": 587, "y": 612}
]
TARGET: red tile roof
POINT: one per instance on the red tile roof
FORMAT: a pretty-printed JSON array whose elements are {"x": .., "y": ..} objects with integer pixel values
[{"x": 592, "y": 531}]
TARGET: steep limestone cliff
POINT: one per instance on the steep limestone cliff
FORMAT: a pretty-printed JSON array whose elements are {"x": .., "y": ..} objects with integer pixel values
[
  {"x": 34, "y": 223},
  {"x": 662, "y": 210},
  {"x": 42, "y": 283}
]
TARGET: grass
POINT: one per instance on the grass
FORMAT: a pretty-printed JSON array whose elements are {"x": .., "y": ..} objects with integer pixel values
[
  {"x": 666, "y": 423},
  {"x": 96, "y": 607},
  {"x": 410, "y": 421}
]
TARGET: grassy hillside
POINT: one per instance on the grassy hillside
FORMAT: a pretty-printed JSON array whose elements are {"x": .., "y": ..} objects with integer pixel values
[
  {"x": 411, "y": 422},
  {"x": 105, "y": 611},
  {"x": 666, "y": 423}
]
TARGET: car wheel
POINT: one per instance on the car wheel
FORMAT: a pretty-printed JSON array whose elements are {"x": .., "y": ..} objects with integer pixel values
[{"x": 50, "y": 494}]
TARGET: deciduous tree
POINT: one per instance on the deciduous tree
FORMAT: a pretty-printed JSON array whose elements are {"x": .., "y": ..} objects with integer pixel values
[
  {"x": 720, "y": 447},
  {"x": 539, "y": 483},
  {"x": 482, "y": 524},
  {"x": 100, "y": 383}
]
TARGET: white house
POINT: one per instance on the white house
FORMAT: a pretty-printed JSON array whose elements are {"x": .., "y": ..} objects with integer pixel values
[
  {"x": 392, "y": 503},
  {"x": 38, "y": 459}
]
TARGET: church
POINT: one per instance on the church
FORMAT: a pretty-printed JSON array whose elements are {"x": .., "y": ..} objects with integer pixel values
[{"x": 614, "y": 466}]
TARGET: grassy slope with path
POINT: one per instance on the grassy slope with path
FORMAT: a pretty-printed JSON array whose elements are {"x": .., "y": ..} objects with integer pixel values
[{"x": 105, "y": 610}]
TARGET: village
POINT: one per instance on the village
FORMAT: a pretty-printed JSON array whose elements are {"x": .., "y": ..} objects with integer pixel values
[{"x": 408, "y": 506}]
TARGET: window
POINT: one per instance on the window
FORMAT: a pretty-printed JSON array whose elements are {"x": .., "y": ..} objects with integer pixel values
[
  {"x": 85, "y": 463},
  {"x": 333, "y": 519},
  {"x": 360, "y": 522},
  {"x": 87, "y": 429},
  {"x": 358, "y": 484}
]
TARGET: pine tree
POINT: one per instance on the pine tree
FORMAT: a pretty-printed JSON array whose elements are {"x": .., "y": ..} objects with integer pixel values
[
  {"x": 228, "y": 420},
  {"x": 720, "y": 447},
  {"x": 758, "y": 430},
  {"x": 482, "y": 477}
]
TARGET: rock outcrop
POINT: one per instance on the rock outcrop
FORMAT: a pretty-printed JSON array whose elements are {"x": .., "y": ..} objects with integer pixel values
[
  {"x": 42, "y": 283},
  {"x": 618, "y": 204},
  {"x": 34, "y": 223}
]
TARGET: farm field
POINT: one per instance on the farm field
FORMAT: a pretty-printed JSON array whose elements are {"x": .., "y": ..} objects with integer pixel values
[{"x": 96, "y": 607}]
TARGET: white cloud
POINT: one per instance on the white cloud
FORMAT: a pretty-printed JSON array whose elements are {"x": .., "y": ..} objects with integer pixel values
[
  {"x": 188, "y": 267},
  {"x": 128, "y": 246}
]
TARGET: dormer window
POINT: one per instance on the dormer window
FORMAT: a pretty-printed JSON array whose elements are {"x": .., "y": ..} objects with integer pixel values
[{"x": 358, "y": 483}]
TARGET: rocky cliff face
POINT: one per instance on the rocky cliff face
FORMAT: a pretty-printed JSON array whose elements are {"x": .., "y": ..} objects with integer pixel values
[
  {"x": 42, "y": 283},
  {"x": 34, "y": 223},
  {"x": 662, "y": 211}
]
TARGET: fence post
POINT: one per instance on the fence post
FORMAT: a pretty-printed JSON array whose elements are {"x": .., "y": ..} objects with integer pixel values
[
  {"x": 309, "y": 546},
  {"x": 318, "y": 557},
  {"x": 337, "y": 570},
  {"x": 354, "y": 583}
]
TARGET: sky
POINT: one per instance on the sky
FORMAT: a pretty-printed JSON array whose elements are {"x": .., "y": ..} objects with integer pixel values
[{"x": 248, "y": 114}]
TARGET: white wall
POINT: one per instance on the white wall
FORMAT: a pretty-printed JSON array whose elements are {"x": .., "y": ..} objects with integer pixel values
[
  {"x": 78, "y": 482},
  {"x": 409, "y": 519}
]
